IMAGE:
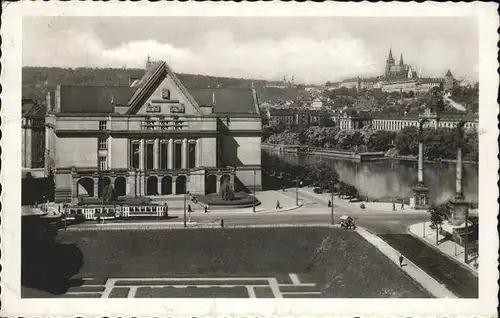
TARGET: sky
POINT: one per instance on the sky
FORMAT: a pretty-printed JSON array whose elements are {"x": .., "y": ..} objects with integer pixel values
[{"x": 312, "y": 49}]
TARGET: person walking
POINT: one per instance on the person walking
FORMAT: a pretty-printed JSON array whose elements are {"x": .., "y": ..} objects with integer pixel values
[
  {"x": 393, "y": 206},
  {"x": 329, "y": 203},
  {"x": 278, "y": 206},
  {"x": 222, "y": 223},
  {"x": 189, "y": 208},
  {"x": 206, "y": 208},
  {"x": 166, "y": 209},
  {"x": 401, "y": 259}
]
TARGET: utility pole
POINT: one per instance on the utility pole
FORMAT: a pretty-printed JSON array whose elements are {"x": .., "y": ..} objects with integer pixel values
[
  {"x": 297, "y": 191},
  {"x": 185, "y": 202},
  {"x": 333, "y": 223},
  {"x": 254, "y": 175},
  {"x": 466, "y": 243}
]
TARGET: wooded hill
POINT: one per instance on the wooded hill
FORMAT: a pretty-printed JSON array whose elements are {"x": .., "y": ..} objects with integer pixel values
[{"x": 37, "y": 81}]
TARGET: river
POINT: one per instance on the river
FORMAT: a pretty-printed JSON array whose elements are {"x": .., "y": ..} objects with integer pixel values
[{"x": 392, "y": 178}]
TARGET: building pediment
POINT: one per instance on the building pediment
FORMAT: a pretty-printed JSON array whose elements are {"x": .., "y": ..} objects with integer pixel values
[{"x": 163, "y": 94}]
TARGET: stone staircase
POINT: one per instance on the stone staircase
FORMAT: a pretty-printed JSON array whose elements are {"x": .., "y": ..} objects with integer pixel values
[{"x": 62, "y": 196}]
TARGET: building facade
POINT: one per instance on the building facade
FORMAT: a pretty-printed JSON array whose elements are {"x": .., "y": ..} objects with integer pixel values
[
  {"x": 153, "y": 138},
  {"x": 359, "y": 120},
  {"x": 33, "y": 134}
]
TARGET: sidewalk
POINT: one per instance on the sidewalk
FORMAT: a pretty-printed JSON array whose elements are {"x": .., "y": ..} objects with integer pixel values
[
  {"x": 430, "y": 284},
  {"x": 450, "y": 249},
  {"x": 378, "y": 207}
]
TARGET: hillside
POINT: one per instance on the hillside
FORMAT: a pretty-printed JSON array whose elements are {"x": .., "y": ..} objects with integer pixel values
[{"x": 37, "y": 81}]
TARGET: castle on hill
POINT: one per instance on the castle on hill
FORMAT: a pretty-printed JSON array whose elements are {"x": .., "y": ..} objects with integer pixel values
[{"x": 399, "y": 77}]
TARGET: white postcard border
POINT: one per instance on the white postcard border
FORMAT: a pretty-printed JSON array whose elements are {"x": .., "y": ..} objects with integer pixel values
[{"x": 11, "y": 168}]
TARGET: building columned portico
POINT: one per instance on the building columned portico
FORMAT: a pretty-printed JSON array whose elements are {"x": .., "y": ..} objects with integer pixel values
[{"x": 153, "y": 138}]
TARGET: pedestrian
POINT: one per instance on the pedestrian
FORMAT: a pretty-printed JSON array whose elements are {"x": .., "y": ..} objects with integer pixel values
[
  {"x": 401, "y": 260},
  {"x": 206, "y": 208},
  {"x": 166, "y": 209},
  {"x": 222, "y": 223},
  {"x": 329, "y": 203},
  {"x": 402, "y": 205},
  {"x": 189, "y": 208},
  {"x": 278, "y": 206},
  {"x": 393, "y": 206}
]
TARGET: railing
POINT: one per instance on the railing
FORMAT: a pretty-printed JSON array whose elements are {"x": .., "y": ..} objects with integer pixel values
[{"x": 92, "y": 213}]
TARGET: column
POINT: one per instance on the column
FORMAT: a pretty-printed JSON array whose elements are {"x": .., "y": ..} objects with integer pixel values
[
  {"x": 170, "y": 154},
  {"x": 184, "y": 153},
  {"x": 128, "y": 187},
  {"x": 96, "y": 187},
  {"x": 141, "y": 154},
  {"x": 174, "y": 190},
  {"x": 110, "y": 142},
  {"x": 459, "y": 172},
  {"x": 420, "y": 162},
  {"x": 159, "y": 184},
  {"x": 156, "y": 153},
  {"x": 198, "y": 153}
]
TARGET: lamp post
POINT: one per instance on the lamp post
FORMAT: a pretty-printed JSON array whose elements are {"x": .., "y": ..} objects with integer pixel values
[
  {"x": 185, "y": 199},
  {"x": 254, "y": 176},
  {"x": 297, "y": 191},
  {"x": 466, "y": 243}
]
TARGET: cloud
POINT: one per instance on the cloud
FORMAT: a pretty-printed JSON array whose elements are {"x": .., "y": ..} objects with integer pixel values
[{"x": 320, "y": 56}]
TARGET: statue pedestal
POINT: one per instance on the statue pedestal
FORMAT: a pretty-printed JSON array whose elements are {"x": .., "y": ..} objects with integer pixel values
[
  {"x": 420, "y": 197},
  {"x": 459, "y": 211}
]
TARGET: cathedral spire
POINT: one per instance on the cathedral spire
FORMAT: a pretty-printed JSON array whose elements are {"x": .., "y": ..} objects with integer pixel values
[
  {"x": 401, "y": 60},
  {"x": 390, "y": 54}
]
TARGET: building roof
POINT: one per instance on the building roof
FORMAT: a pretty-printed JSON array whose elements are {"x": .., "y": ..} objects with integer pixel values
[
  {"x": 227, "y": 100},
  {"x": 94, "y": 99},
  {"x": 448, "y": 74}
]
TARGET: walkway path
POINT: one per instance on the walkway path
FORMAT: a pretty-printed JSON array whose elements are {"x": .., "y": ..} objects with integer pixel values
[
  {"x": 449, "y": 248},
  {"x": 434, "y": 287}
]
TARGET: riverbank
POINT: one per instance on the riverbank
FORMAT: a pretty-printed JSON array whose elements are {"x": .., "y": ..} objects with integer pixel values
[{"x": 350, "y": 155}]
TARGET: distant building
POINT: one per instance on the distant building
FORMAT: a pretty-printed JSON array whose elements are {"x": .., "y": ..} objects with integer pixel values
[
  {"x": 398, "y": 77},
  {"x": 294, "y": 116},
  {"x": 317, "y": 103},
  {"x": 390, "y": 122}
]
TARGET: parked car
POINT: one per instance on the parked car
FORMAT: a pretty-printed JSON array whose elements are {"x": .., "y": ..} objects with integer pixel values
[
  {"x": 318, "y": 190},
  {"x": 347, "y": 222}
]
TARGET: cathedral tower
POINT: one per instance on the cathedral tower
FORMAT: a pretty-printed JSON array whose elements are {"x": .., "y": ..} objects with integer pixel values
[{"x": 388, "y": 64}]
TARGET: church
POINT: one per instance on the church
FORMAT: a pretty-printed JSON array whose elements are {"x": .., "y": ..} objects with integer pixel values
[
  {"x": 395, "y": 71},
  {"x": 154, "y": 137}
]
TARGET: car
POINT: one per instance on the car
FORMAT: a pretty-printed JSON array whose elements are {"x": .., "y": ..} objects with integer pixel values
[
  {"x": 318, "y": 190},
  {"x": 347, "y": 222}
]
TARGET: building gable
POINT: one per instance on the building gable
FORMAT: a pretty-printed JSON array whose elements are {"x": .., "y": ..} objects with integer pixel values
[{"x": 163, "y": 94}]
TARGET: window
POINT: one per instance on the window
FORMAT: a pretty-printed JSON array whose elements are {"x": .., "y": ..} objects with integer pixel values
[
  {"x": 150, "y": 124},
  {"x": 149, "y": 155},
  {"x": 192, "y": 155},
  {"x": 103, "y": 125},
  {"x": 164, "y": 125},
  {"x": 134, "y": 155},
  {"x": 103, "y": 143},
  {"x": 178, "y": 156},
  {"x": 102, "y": 163},
  {"x": 163, "y": 155}
]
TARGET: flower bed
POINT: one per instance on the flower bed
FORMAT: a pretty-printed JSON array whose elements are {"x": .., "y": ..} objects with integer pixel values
[{"x": 240, "y": 199}]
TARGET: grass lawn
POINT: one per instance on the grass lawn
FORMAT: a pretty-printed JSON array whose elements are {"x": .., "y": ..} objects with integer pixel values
[
  {"x": 340, "y": 262},
  {"x": 458, "y": 280}
]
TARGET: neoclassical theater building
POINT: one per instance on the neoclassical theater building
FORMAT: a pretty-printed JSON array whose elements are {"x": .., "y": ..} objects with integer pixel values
[{"x": 153, "y": 137}]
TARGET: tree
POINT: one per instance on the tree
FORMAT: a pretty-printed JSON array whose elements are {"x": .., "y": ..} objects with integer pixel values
[
  {"x": 326, "y": 121},
  {"x": 438, "y": 214}
]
